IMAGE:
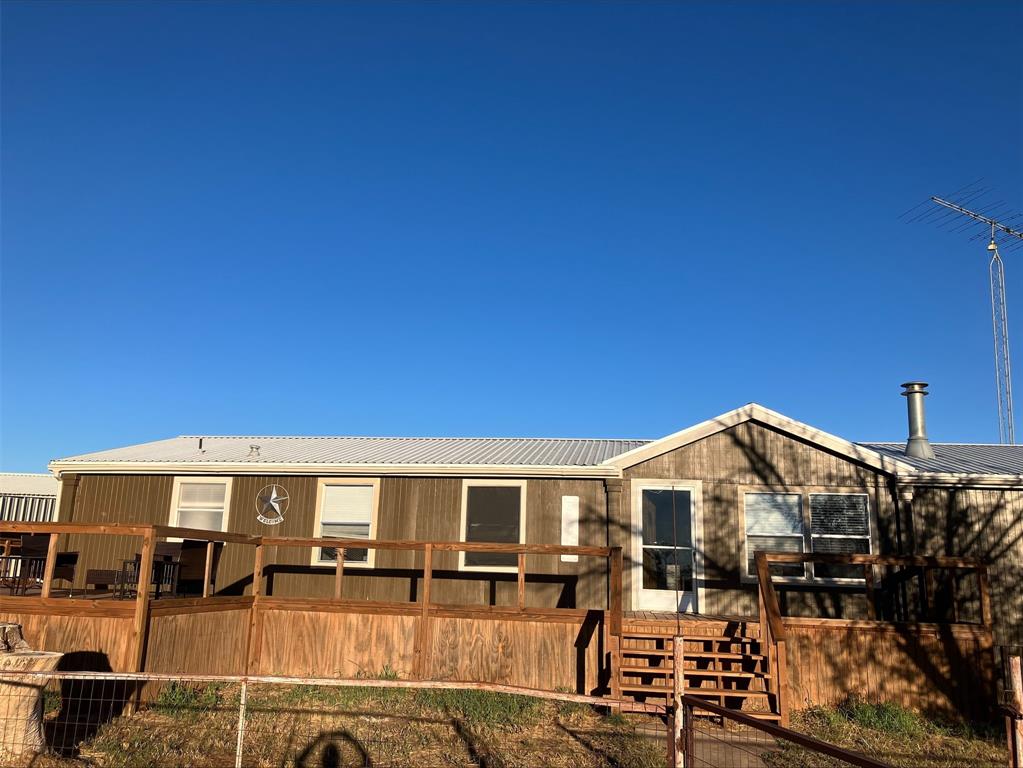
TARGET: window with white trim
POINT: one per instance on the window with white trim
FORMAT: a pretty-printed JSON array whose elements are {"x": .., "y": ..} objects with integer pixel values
[
  {"x": 839, "y": 524},
  {"x": 774, "y": 523},
  {"x": 346, "y": 512},
  {"x": 493, "y": 511},
  {"x": 201, "y": 503}
]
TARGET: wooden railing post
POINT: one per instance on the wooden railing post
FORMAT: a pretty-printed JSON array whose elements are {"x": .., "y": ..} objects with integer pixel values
[
  {"x": 421, "y": 652},
  {"x": 615, "y": 598},
  {"x": 51, "y": 563},
  {"x": 208, "y": 571},
  {"x": 868, "y": 581},
  {"x": 145, "y": 577},
  {"x": 339, "y": 571},
  {"x": 678, "y": 689},
  {"x": 985, "y": 596},
  {"x": 255, "y": 645},
  {"x": 522, "y": 581},
  {"x": 1014, "y": 718}
]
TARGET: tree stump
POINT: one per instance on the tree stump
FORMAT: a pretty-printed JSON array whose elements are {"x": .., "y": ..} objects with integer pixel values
[{"x": 21, "y": 696}]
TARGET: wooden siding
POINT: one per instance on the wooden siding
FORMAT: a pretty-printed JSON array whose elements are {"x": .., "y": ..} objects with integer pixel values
[
  {"x": 942, "y": 671},
  {"x": 90, "y": 643},
  {"x": 983, "y": 523},
  {"x": 750, "y": 457},
  {"x": 420, "y": 508}
]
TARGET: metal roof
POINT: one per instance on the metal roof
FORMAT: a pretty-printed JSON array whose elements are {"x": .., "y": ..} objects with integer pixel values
[
  {"x": 27, "y": 484},
  {"x": 497, "y": 451},
  {"x": 961, "y": 458}
]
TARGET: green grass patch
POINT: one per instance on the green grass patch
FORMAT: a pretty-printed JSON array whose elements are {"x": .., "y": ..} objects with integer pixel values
[{"x": 179, "y": 700}]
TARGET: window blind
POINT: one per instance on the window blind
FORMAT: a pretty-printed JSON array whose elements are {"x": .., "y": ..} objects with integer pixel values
[{"x": 774, "y": 523}]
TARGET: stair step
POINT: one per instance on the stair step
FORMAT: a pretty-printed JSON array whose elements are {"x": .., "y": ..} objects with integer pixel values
[
  {"x": 641, "y": 670},
  {"x": 728, "y": 693},
  {"x": 643, "y": 635},
  {"x": 724, "y": 655}
]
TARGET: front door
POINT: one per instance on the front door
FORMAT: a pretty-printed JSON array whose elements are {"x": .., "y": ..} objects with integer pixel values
[{"x": 663, "y": 546}]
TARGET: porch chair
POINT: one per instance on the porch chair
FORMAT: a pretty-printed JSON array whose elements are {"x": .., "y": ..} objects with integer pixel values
[{"x": 193, "y": 567}]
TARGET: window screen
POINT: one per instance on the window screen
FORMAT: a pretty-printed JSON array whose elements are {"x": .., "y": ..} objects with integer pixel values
[
  {"x": 493, "y": 513},
  {"x": 201, "y": 505},
  {"x": 774, "y": 523},
  {"x": 347, "y": 513},
  {"x": 839, "y": 524}
]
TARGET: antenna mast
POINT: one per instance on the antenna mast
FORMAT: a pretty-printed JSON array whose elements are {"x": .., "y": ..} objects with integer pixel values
[{"x": 999, "y": 316}]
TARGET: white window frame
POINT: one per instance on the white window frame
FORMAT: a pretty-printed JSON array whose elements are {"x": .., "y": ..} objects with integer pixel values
[
  {"x": 808, "y": 534},
  {"x": 172, "y": 517},
  {"x": 466, "y": 484},
  {"x": 743, "y": 493},
  {"x": 321, "y": 486},
  {"x": 869, "y": 537}
]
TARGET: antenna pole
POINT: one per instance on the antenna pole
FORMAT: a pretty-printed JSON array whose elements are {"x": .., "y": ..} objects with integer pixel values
[{"x": 999, "y": 318}]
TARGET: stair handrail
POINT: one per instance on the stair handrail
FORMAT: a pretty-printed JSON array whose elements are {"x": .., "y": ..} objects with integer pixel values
[{"x": 772, "y": 634}]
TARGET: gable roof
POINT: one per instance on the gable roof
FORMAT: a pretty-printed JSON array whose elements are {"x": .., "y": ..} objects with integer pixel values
[
  {"x": 418, "y": 455},
  {"x": 753, "y": 412},
  {"x": 27, "y": 484}
]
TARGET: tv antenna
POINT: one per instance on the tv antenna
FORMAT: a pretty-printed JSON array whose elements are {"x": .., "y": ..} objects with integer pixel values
[{"x": 951, "y": 213}]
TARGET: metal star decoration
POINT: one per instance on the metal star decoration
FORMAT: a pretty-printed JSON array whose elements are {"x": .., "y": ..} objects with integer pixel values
[{"x": 271, "y": 502}]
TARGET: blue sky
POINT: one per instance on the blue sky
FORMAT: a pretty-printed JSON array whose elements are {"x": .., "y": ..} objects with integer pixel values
[{"x": 563, "y": 219}]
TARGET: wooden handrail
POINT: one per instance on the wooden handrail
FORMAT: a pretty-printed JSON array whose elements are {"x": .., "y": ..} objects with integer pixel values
[
  {"x": 770, "y": 597},
  {"x": 438, "y": 546},
  {"x": 960, "y": 563}
]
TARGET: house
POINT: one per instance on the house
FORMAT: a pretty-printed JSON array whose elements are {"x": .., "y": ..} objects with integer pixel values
[
  {"x": 28, "y": 497},
  {"x": 689, "y": 510}
]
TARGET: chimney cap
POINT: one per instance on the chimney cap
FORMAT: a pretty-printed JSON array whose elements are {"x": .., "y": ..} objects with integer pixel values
[{"x": 910, "y": 387}]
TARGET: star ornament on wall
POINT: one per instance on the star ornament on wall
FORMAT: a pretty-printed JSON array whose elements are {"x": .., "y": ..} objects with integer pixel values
[{"x": 271, "y": 504}]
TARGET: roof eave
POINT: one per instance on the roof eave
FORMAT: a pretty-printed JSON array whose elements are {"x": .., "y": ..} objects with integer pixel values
[{"x": 305, "y": 468}]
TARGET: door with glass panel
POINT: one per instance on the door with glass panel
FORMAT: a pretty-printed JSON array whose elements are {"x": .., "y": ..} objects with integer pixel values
[{"x": 663, "y": 547}]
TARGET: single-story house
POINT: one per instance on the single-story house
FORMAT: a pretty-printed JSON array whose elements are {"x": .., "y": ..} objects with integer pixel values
[
  {"x": 689, "y": 510},
  {"x": 28, "y": 497}
]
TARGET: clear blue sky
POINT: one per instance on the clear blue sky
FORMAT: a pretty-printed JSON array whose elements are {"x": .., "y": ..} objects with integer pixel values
[{"x": 559, "y": 219}]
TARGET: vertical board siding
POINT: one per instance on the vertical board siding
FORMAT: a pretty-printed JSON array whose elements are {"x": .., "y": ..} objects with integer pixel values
[
  {"x": 418, "y": 508},
  {"x": 748, "y": 457},
  {"x": 211, "y": 642},
  {"x": 940, "y": 672},
  {"x": 983, "y": 523},
  {"x": 90, "y": 643},
  {"x": 27, "y": 509}
]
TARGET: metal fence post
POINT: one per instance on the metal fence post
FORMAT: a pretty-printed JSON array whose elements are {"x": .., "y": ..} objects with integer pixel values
[{"x": 241, "y": 725}]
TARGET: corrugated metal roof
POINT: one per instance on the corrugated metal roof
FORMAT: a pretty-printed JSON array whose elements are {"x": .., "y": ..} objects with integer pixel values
[
  {"x": 502, "y": 451},
  {"x": 961, "y": 458},
  {"x": 28, "y": 484}
]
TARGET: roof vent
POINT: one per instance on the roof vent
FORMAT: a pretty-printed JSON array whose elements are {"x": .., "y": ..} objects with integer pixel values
[
  {"x": 253, "y": 451},
  {"x": 918, "y": 446}
]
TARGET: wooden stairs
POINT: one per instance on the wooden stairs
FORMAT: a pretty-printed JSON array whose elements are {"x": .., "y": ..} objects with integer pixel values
[{"x": 723, "y": 662}]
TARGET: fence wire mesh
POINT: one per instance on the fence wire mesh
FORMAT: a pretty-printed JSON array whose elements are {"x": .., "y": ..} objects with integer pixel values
[{"x": 66, "y": 719}]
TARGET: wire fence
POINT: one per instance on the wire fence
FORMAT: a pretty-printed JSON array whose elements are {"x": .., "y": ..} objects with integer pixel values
[{"x": 142, "y": 720}]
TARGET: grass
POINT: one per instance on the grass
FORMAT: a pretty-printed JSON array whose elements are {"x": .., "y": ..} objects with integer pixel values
[
  {"x": 895, "y": 735},
  {"x": 333, "y": 725}
]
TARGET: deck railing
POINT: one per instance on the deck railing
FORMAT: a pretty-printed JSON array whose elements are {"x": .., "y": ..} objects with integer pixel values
[{"x": 908, "y": 567}]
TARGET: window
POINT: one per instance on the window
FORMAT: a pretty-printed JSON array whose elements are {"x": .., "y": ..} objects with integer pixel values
[
  {"x": 839, "y": 524},
  {"x": 200, "y": 503},
  {"x": 493, "y": 510},
  {"x": 774, "y": 522},
  {"x": 346, "y": 511}
]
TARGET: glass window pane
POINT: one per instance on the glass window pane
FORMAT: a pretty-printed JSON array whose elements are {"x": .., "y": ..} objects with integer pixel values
[
  {"x": 345, "y": 531},
  {"x": 492, "y": 514},
  {"x": 841, "y": 546},
  {"x": 347, "y": 503},
  {"x": 658, "y": 506},
  {"x": 773, "y": 514},
  {"x": 756, "y": 544},
  {"x": 203, "y": 519},
  {"x": 668, "y": 569},
  {"x": 202, "y": 494},
  {"x": 840, "y": 514}
]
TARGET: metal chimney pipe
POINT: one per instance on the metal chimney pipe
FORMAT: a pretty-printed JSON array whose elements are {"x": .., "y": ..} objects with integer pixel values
[{"x": 918, "y": 446}]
